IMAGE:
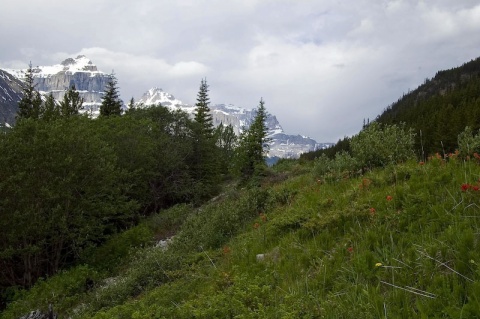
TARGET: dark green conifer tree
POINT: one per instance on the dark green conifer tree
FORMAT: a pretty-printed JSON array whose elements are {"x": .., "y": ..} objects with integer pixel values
[
  {"x": 203, "y": 116},
  {"x": 72, "y": 102},
  {"x": 205, "y": 156},
  {"x": 253, "y": 145},
  {"x": 131, "y": 104},
  {"x": 50, "y": 110},
  {"x": 111, "y": 102},
  {"x": 30, "y": 104}
]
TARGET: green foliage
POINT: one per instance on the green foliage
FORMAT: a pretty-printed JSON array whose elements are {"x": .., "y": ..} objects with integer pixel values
[
  {"x": 341, "y": 167},
  {"x": 111, "y": 103},
  {"x": 379, "y": 146},
  {"x": 439, "y": 109},
  {"x": 468, "y": 143},
  {"x": 206, "y": 157},
  {"x": 50, "y": 110},
  {"x": 215, "y": 223},
  {"x": 253, "y": 145},
  {"x": 202, "y": 112},
  {"x": 226, "y": 142},
  {"x": 62, "y": 290},
  {"x": 72, "y": 103},
  {"x": 112, "y": 254},
  {"x": 399, "y": 241},
  {"x": 30, "y": 104},
  {"x": 60, "y": 191}
]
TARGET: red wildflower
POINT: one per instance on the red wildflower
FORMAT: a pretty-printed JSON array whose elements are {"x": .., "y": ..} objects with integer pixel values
[
  {"x": 350, "y": 249},
  {"x": 476, "y": 188},
  {"x": 465, "y": 187},
  {"x": 476, "y": 156},
  {"x": 365, "y": 183},
  {"x": 256, "y": 225},
  {"x": 389, "y": 198},
  {"x": 421, "y": 163},
  {"x": 226, "y": 250},
  {"x": 263, "y": 217},
  {"x": 372, "y": 211}
]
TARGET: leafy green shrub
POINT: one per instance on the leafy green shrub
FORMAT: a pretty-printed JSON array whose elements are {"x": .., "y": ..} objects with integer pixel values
[
  {"x": 341, "y": 167},
  {"x": 378, "y": 146},
  {"x": 323, "y": 165},
  {"x": 63, "y": 291},
  {"x": 468, "y": 143},
  {"x": 116, "y": 250}
]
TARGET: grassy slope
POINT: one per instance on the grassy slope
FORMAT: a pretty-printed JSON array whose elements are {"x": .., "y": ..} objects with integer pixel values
[{"x": 336, "y": 249}]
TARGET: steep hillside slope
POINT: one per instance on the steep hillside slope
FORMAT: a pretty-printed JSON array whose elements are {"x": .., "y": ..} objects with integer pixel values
[
  {"x": 440, "y": 108},
  {"x": 399, "y": 242},
  {"x": 437, "y": 111}
]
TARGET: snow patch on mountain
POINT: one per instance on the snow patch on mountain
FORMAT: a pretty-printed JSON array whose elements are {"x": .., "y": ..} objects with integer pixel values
[{"x": 69, "y": 66}]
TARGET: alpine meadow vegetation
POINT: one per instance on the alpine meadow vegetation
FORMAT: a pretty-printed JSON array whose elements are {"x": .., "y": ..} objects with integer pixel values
[{"x": 311, "y": 240}]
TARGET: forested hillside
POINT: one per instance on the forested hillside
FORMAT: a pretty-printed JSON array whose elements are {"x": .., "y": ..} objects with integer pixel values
[
  {"x": 305, "y": 240},
  {"x": 437, "y": 111},
  {"x": 440, "y": 109}
]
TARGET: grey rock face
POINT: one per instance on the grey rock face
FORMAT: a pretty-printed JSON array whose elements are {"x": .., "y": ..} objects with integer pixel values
[
  {"x": 90, "y": 86},
  {"x": 10, "y": 94}
]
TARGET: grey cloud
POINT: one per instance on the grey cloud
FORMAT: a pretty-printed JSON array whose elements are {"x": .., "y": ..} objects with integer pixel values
[{"x": 322, "y": 66}]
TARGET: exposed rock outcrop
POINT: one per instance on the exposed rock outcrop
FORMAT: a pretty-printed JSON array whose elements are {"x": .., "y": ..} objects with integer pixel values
[{"x": 10, "y": 94}]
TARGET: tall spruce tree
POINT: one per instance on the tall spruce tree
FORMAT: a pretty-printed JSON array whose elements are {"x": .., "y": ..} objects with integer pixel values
[
  {"x": 253, "y": 145},
  {"x": 205, "y": 168},
  {"x": 202, "y": 114},
  {"x": 30, "y": 104},
  {"x": 131, "y": 104},
  {"x": 111, "y": 102}
]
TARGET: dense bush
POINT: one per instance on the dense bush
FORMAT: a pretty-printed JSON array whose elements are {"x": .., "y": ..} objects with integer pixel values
[
  {"x": 380, "y": 145},
  {"x": 468, "y": 142},
  {"x": 60, "y": 191}
]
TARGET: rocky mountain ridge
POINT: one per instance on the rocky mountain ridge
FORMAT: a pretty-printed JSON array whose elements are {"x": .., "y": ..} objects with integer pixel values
[{"x": 79, "y": 71}]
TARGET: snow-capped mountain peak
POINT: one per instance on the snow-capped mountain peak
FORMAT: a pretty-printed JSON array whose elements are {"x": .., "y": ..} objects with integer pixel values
[
  {"x": 68, "y": 66},
  {"x": 156, "y": 95}
]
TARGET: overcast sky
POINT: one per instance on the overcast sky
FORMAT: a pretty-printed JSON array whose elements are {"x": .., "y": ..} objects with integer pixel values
[{"x": 321, "y": 66}]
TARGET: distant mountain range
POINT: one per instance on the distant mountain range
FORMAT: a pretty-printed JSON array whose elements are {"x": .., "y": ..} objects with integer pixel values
[{"x": 90, "y": 83}]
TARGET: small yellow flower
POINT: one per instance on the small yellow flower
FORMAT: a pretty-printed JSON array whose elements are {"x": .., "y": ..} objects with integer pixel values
[
  {"x": 472, "y": 261},
  {"x": 378, "y": 265}
]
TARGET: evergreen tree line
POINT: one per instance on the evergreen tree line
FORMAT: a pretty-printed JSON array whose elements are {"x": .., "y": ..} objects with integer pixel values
[
  {"x": 68, "y": 182},
  {"x": 437, "y": 112}
]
